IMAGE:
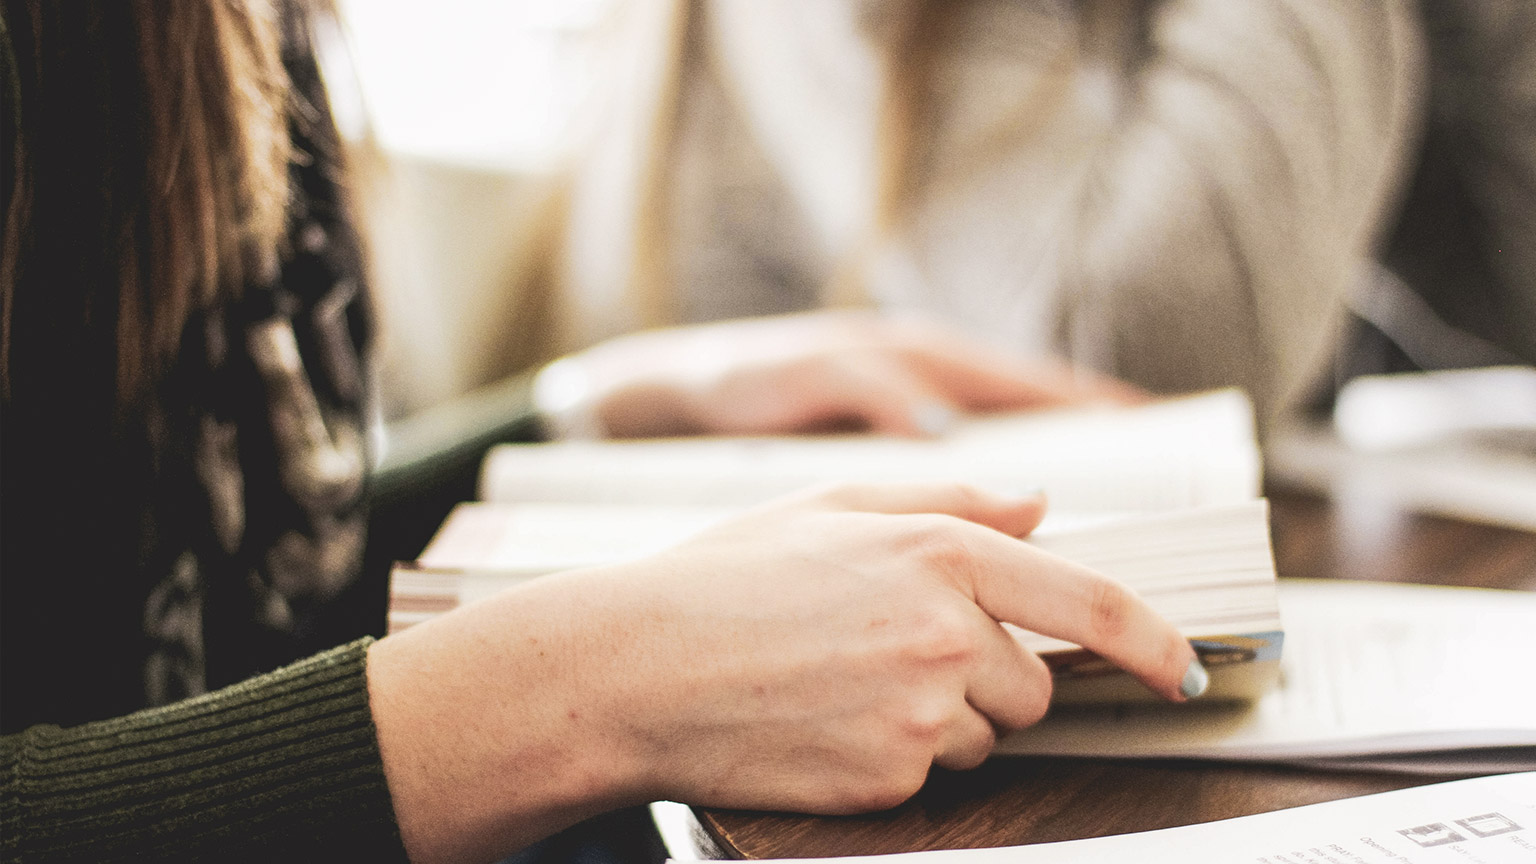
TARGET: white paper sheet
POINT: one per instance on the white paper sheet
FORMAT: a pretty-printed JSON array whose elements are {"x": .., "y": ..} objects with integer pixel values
[
  {"x": 1369, "y": 670},
  {"x": 1487, "y": 820}
]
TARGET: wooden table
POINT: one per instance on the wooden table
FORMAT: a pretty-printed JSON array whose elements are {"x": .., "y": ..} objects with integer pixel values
[{"x": 1039, "y": 800}]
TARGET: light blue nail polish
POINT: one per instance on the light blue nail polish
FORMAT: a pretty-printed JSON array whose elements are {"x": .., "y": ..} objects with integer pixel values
[
  {"x": 933, "y": 418},
  {"x": 1196, "y": 679}
]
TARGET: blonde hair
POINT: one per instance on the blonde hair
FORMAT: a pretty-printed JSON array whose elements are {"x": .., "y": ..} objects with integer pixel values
[{"x": 911, "y": 52}]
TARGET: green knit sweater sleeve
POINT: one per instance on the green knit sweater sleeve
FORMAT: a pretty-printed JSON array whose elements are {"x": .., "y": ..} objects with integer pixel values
[{"x": 283, "y": 767}]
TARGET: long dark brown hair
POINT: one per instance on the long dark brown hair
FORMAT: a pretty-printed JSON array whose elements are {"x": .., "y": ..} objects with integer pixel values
[{"x": 148, "y": 176}]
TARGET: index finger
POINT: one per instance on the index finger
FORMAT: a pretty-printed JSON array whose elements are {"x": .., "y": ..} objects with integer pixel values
[
  {"x": 1050, "y": 595},
  {"x": 1018, "y": 583}
]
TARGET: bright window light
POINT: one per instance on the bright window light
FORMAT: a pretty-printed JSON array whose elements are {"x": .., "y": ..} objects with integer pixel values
[{"x": 481, "y": 81}]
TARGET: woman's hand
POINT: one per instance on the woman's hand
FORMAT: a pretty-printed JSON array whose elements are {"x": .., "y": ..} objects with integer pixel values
[
  {"x": 819, "y": 654},
  {"x": 801, "y": 373}
]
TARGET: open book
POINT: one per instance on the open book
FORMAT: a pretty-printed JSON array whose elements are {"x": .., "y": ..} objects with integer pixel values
[
  {"x": 1162, "y": 496},
  {"x": 1207, "y": 570},
  {"x": 1458, "y": 442},
  {"x": 1185, "y": 452}
]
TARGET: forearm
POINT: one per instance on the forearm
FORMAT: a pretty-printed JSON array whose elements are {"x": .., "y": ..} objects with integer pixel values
[{"x": 282, "y": 767}]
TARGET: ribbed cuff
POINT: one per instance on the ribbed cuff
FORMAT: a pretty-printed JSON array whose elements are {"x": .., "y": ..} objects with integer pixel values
[{"x": 282, "y": 767}]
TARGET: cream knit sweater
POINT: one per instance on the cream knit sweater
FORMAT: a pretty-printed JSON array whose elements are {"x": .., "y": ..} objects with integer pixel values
[{"x": 1177, "y": 192}]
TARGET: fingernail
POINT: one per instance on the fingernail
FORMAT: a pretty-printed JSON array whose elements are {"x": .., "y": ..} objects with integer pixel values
[
  {"x": 1196, "y": 679},
  {"x": 1023, "y": 491},
  {"x": 933, "y": 418}
]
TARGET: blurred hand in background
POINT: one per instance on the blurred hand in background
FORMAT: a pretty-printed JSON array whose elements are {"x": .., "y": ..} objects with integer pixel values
[{"x": 811, "y": 372}]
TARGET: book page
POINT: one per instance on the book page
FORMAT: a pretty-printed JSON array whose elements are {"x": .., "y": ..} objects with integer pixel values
[
  {"x": 534, "y": 539},
  {"x": 1368, "y": 668},
  {"x": 1464, "y": 479},
  {"x": 1485, "y": 820},
  {"x": 1207, "y": 570},
  {"x": 1183, "y": 452},
  {"x": 1456, "y": 442}
]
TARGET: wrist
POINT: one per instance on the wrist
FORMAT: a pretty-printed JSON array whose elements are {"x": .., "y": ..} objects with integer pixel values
[{"x": 494, "y": 725}]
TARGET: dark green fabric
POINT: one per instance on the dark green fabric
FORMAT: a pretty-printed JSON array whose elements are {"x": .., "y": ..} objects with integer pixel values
[{"x": 284, "y": 767}]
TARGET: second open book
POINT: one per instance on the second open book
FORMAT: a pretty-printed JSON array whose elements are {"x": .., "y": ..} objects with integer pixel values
[{"x": 1162, "y": 497}]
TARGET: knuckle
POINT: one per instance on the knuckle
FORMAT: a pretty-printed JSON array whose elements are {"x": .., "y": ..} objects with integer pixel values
[
  {"x": 1031, "y": 700},
  {"x": 922, "y": 727},
  {"x": 970, "y": 501},
  {"x": 884, "y": 796},
  {"x": 841, "y": 496},
  {"x": 975, "y": 752},
  {"x": 942, "y": 635},
  {"x": 1034, "y": 705},
  {"x": 937, "y": 544},
  {"x": 900, "y": 782},
  {"x": 1109, "y": 609},
  {"x": 890, "y": 775}
]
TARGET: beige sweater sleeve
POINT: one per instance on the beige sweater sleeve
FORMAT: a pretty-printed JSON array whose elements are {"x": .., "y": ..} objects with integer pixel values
[
  {"x": 1239, "y": 190},
  {"x": 1176, "y": 191}
]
